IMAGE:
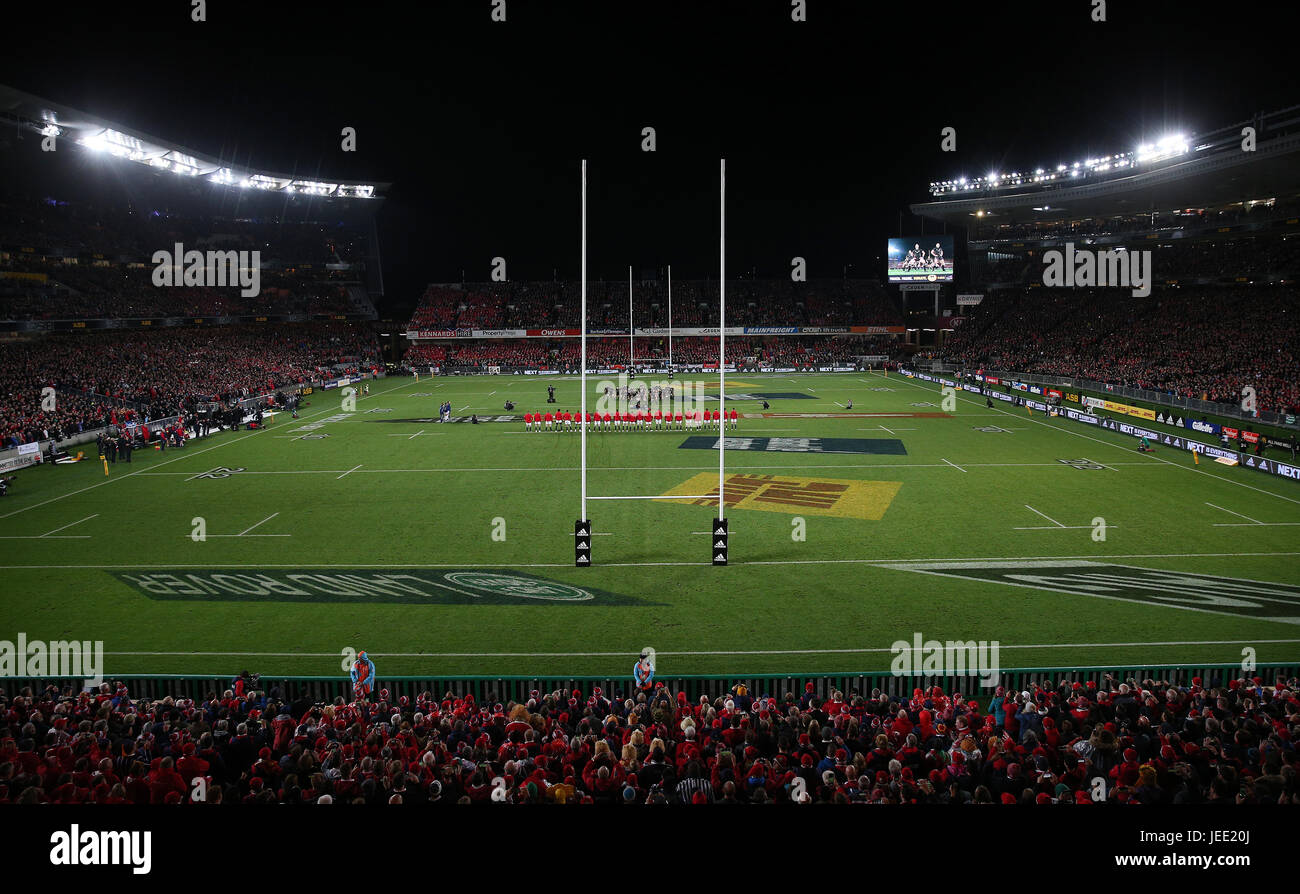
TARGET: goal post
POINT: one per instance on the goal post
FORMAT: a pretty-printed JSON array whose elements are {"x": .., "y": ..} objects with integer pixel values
[
  {"x": 582, "y": 529},
  {"x": 719, "y": 539}
]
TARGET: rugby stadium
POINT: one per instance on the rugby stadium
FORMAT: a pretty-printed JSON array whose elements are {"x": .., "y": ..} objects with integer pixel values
[{"x": 624, "y": 469}]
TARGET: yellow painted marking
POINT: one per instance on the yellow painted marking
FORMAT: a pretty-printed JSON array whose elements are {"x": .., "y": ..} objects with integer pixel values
[{"x": 796, "y": 495}]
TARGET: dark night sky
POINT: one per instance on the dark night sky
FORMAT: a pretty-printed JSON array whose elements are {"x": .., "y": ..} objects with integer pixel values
[{"x": 830, "y": 128}]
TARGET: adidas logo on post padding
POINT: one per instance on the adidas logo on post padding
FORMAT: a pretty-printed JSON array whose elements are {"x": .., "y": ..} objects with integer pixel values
[
  {"x": 582, "y": 543},
  {"x": 720, "y": 544}
]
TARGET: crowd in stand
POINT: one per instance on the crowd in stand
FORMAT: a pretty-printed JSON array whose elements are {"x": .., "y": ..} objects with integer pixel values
[
  {"x": 94, "y": 255},
  {"x": 750, "y": 302},
  {"x": 1149, "y": 742},
  {"x": 795, "y": 351},
  {"x": 134, "y": 228},
  {"x": 115, "y": 291},
  {"x": 110, "y": 377},
  {"x": 1191, "y": 342},
  {"x": 1161, "y": 222},
  {"x": 1269, "y": 257}
]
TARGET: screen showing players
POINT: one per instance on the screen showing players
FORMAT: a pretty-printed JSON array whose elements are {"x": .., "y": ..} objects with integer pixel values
[{"x": 921, "y": 259}]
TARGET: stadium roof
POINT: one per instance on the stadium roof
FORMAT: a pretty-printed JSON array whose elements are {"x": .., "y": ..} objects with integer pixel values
[
  {"x": 1203, "y": 170},
  {"x": 96, "y": 134}
]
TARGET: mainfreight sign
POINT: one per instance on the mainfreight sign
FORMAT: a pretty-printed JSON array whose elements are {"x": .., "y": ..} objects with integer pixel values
[{"x": 423, "y": 586}]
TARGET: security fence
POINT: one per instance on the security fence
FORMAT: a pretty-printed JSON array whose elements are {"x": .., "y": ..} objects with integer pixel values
[{"x": 504, "y": 689}]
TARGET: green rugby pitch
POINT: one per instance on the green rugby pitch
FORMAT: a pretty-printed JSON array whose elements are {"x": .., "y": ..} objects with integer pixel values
[{"x": 375, "y": 530}]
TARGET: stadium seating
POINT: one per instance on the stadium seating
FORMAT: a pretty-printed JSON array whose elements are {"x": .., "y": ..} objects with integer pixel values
[
  {"x": 792, "y": 351},
  {"x": 1150, "y": 742},
  {"x": 94, "y": 261},
  {"x": 530, "y": 305},
  {"x": 106, "y": 377},
  {"x": 1187, "y": 342}
]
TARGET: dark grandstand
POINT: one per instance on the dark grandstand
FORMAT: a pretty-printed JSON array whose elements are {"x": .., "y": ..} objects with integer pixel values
[
  {"x": 1222, "y": 227},
  {"x": 81, "y": 311}
]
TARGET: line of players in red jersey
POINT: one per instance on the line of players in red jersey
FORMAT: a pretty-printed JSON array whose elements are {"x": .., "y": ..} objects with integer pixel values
[{"x": 634, "y": 420}]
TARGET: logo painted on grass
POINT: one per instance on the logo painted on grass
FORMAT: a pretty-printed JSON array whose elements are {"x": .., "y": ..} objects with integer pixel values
[
  {"x": 845, "y": 498},
  {"x": 439, "y": 586},
  {"x": 219, "y": 472},
  {"x": 884, "y": 446},
  {"x": 1260, "y": 600}
]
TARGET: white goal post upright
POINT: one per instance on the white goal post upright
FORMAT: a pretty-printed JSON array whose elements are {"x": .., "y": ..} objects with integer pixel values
[
  {"x": 722, "y": 329},
  {"x": 631, "y": 330},
  {"x": 582, "y": 527},
  {"x": 583, "y": 348},
  {"x": 670, "y": 320}
]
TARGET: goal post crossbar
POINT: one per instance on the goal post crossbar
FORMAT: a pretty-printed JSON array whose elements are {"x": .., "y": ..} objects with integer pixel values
[{"x": 665, "y": 497}]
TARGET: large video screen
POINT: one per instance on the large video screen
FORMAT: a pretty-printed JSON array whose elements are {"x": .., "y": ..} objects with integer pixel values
[{"x": 921, "y": 259}]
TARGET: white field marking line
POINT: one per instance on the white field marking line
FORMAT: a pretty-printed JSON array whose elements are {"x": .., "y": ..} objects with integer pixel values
[
  {"x": 127, "y": 475},
  {"x": 1223, "y": 642},
  {"x": 1060, "y": 528},
  {"x": 594, "y": 534},
  {"x": 416, "y": 435},
  {"x": 490, "y": 393},
  {"x": 1048, "y": 517},
  {"x": 166, "y": 462},
  {"x": 955, "y": 466},
  {"x": 348, "y": 472},
  {"x": 664, "y": 497},
  {"x": 47, "y": 537},
  {"x": 243, "y": 535},
  {"x": 1238, "y": 514},
  {"x": 1121, "y": 447},
  {"x": 885, "y": 562},
  {"x": 1255, "y": 525},
  {"x": 57, "y": 530},
  {"x": 262, "y": 522},
  {"x": 590, "y": 469},
  {"x": 263, "y": 472},
  {"x": 466, "y": 407},
  {"x": 1103, "y": 465},
  {"x": 837, "y": 403}
]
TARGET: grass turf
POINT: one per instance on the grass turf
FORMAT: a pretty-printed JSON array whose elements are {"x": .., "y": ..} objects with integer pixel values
[{"x": 421, "y": 502}]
